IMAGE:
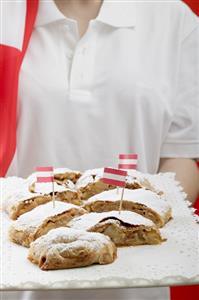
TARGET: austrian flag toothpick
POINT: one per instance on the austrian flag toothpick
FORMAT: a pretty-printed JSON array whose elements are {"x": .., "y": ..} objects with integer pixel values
[
  {"x": 114, "y": 177},
  {"x": 128, "y": 161},
  {"x": 44, "y": 176}
]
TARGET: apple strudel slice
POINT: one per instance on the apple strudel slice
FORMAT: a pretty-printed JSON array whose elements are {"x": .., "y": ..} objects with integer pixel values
[
  {"x": 62, "y": 175},
  {"x": 21, "y": 202},
  {"x": 64, "y": 248},
  {"x": 90, "y": 184},
  {"x": 65, "y": 193},
  {"x": 31, "y": 225},
  {"x": 125, "y": 228},
  {"x": 141, "y": 201}
]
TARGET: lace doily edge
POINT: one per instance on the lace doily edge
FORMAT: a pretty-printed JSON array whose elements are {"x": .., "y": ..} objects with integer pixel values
[{"x": 111, "y": 282}]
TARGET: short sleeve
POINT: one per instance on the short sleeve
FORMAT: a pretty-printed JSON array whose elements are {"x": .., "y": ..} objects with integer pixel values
[{"x": 182, "y": 139}]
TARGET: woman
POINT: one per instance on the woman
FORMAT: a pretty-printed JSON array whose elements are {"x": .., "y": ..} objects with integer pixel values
[{"x": 98, "y": 78}]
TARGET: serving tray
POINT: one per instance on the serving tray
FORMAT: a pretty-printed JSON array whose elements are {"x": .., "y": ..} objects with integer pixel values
[{"x": 175, "y": 262}]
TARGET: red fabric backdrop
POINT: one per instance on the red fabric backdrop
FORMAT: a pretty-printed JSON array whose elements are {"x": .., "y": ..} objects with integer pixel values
[
  {"x": 188, "y": 292},
  {"x": 194, "y": 4}
]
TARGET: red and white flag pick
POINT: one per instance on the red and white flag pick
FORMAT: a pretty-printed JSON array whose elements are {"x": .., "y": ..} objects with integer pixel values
[
  {"x": 114, "y": 177},
  {"x": 128, "y": 161},
  {"x": 45, "y": 175}
]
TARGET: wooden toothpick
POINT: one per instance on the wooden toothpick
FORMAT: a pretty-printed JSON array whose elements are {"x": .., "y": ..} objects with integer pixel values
[
  {"x": 53, "y": 194},
  {"x": 122, "y": 195}
]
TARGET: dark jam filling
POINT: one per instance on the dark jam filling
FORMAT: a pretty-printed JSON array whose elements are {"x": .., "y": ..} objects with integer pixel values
[{"x": 121, "y": 222}]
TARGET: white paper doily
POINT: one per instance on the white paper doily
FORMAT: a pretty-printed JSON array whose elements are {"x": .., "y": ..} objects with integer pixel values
[{"x": 174, "y": 262}]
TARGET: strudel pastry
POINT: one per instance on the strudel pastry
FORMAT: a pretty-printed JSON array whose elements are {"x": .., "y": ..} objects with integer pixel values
[
  {"x": 125, "y": 228},
  {"x": 90, "y": 184},
  {"x": 12, "y": 185},
  {"x": 61, "y": 175},
  {"x": 64, "y": 248},
  {"x": 133, "y": 182},
  {"x": 23, "y": 201},
  {"x": 141, "y": 201},
  {"x": 31, "y": 225},
  {"x": 65, "y": 193}
]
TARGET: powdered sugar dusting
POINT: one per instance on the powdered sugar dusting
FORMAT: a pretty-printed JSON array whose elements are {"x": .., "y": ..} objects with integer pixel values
[
  {"x": 87, "y": 221},
  {"x": 36, "y": 216},
  {"x": 93, "y": 175},
  {"x": 10, "y": 186},
  {"x": 47, "y": 188},
  {"x": 69, "y": 185},
  {"x": 89, "y": 176},
  {"x": 64, "y": 170},
  {"x": 18, "y": 196},
  {"x": 67, "y": 238},
  {"x": 132, "y": 180},
  {"x": 142, "y": 196}
]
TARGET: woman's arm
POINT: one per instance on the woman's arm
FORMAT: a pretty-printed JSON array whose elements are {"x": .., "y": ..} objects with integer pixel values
[{"x": 187, "y": 174}]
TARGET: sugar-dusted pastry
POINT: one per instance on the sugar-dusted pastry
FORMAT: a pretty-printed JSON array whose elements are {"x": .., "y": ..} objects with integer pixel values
[
  {"x": 64, "y": 248},
  {"x": 65, "y": 193},
  {"x": 31, "y": 225},
  {"x": 133, "y": 182},
  {"x": 12, "y": 184},
  {"x": 61, "y": 175},
  {"x": 23, "y": 201},
  {"x": 89, "y": 183},
  {"x": 141, "y": 201},
  {"x": 125, "y": 228}
]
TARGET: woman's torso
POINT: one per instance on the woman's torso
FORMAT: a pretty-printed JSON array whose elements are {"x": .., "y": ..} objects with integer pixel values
[{"x": 81, "y": 102}]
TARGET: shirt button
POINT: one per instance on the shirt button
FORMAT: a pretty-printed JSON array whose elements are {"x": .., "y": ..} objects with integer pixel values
[
  {"x": 83, "y": 50},
  {"x": 69, "y": 56},
  {"x": 66, "y": 27}
]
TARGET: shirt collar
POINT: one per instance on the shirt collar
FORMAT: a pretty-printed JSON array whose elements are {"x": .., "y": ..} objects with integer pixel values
[{"x": 115, "y": 13}]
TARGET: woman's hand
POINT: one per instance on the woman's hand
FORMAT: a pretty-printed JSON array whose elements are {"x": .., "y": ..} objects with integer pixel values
[{"x": 187, "y": 173}]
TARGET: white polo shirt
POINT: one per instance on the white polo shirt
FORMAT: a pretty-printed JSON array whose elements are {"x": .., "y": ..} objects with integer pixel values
[{"x": 129, "y": 85}]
